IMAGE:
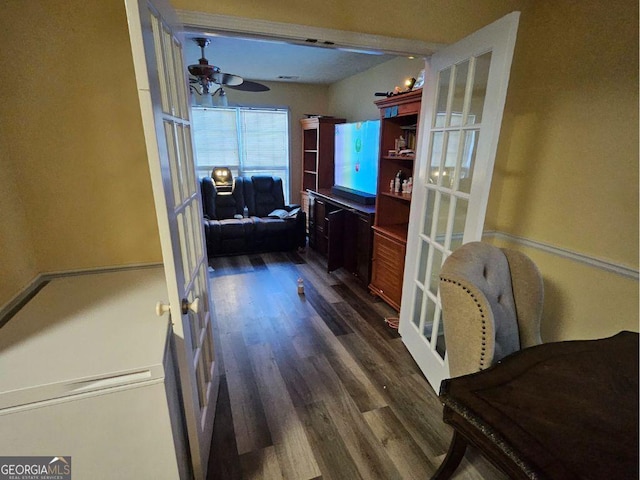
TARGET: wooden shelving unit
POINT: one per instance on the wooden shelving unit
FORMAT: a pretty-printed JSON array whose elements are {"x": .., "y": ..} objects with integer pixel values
[
  {"x": 317, "y": 155},
  {"x": 399, "y": 115}
]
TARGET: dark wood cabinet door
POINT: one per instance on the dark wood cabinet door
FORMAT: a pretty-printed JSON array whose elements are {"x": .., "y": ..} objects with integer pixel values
[
  {"x": 320, "y": 226},
  {"x": 311, "y": 220},
  {"x": 342, "y": 231},
  {"x": 350, "y": 241},
  {"x": 336, "y": 236},
  {"x": 364, "y": 247}
]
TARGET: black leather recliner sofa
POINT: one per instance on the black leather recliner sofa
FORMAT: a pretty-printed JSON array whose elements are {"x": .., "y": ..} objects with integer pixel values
[{"x": 227, "y": 231}]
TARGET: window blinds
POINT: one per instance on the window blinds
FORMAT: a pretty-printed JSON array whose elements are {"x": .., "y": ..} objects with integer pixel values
[{"x": 247, "y": 140}]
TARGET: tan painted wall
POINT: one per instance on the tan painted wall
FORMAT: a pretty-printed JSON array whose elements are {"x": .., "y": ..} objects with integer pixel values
[
  {"x": 353, "y": 97},
  {"x": 17, "y": 263},
  {"x": 567, "y": 171},
  {"x": 72, "y": 137},
  {"x": 567, "y": 167}
]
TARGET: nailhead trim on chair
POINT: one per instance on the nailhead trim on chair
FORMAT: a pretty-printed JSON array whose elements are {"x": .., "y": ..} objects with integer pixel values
[{"x": 484, "y": 324}]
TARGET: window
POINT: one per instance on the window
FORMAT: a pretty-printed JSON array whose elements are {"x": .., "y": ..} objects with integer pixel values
[{"x": 250, "y": 141}]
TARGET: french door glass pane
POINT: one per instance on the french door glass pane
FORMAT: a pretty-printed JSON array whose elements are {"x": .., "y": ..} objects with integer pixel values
[
  {"x": 182, "y": 234},
  {"x": 427, "y": 328},
  {"x": 422, "y": 266},
  {"x": 173, "y": 163},
  {"x": 437, "y": 139},
  {"x": 459, "y": 219},
  {"x": 162, "y": 71},
  {"x": 451, "y": 160},
  {"x": 417, "y": 306},
  {"x": 442, "y": 96},
  {"x": 192, "y": 225},
  {"x": 479, "y": 90},
  {"x": 436, "y": 264},
  {"x": 459, "y": 89},
  {"x": 468, "y": 163},
  {"x": 183, "y": 164},
  {"x": 167, "y": 41},
  {"x": 428, "y": 212},
  {"x": 442, "y": 218},
  {"x": 441, "y": 347}
]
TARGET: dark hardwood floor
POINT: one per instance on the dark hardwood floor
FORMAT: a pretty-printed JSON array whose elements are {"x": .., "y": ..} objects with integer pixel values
[{"x": 317, "y": 386}]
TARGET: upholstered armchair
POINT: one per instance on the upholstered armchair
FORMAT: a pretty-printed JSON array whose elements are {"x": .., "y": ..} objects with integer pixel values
[{"x": 491, "y": 305}]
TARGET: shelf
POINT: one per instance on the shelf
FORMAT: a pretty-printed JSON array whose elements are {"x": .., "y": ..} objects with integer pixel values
[
  {"x": 310, "y": 150},
  {"x": 311, "y": 172},
  {"x": 397, "y": 232},
  {"x": 399, "y": 116},
  {"x": 399, "y": 196}
]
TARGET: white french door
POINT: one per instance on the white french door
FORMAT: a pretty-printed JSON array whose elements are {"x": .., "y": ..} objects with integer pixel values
[
  {"x": 462, "y": 105},
  {"x": 162, "y": 91}
]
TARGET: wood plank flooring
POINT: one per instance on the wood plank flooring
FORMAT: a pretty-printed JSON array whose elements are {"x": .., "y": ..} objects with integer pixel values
[{"x": 317, "y": 386}]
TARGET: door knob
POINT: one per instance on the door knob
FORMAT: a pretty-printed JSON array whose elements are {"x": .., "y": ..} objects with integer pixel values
[
  {"x": 193, "y": 306},
  {"x": 162, "y": 308}
]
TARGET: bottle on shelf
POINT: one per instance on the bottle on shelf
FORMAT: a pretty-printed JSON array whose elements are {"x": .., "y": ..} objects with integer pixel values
[{"x": 398, "y": 181}]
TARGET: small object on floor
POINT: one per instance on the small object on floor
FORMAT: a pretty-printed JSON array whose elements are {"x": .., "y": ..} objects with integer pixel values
[
  {"x": 393, "y": 322},
  {"x": 300, "y": 286}
]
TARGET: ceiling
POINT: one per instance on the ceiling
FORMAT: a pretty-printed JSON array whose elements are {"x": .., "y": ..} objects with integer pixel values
[{"x": 278, "y": 61}]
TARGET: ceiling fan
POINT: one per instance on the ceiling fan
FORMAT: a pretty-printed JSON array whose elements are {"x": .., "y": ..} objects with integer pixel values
[{"x": 208, "y": 76}]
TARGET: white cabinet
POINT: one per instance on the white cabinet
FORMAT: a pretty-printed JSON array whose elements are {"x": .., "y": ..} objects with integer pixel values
[{"x": 87, "y": 371}]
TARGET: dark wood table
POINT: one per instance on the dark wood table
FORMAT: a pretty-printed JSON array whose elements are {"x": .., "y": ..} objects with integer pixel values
[{"x": 565, "y": 410}]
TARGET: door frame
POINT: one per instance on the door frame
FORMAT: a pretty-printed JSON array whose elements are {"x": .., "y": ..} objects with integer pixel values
[{"x": 232, "y": 26}]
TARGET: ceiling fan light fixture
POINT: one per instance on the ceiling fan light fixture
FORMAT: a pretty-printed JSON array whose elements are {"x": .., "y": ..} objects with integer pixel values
[
  {"x": 208, "y": 76},
  {"x": 221, "y": 99}
]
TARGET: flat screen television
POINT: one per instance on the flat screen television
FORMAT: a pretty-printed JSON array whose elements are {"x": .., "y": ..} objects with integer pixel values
[{"x": 357, "y": 146}]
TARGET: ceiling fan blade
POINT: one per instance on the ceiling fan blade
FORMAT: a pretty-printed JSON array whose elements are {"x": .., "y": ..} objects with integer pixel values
[
  {"x": 226, "y": 79},
  {"x": 249, "y": 86}
]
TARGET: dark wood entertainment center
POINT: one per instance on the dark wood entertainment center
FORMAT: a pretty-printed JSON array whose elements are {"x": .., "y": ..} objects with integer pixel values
[
  {"x": 369, "y": 242},
  {"x": 341, "y": 230}
]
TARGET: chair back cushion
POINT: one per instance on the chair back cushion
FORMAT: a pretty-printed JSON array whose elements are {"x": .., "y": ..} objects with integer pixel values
[
  {"x": 231, "y": 203},
  {"x": 208, "y": 192},
  {"x": 478, "y": 306},
  {"x": 218, "y": 205},
  {"x": 263, "y": 194}
]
